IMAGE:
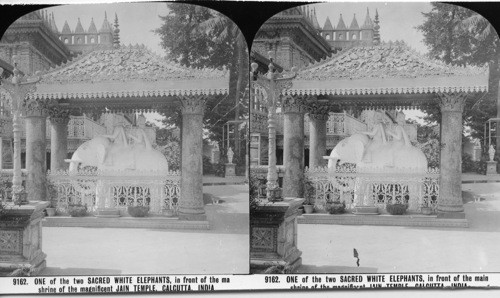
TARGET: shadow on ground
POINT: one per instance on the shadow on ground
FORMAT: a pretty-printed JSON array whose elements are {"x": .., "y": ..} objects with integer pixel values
[
  {"x": 49, "y": 271},
  {"x": 335, "y": 269}
]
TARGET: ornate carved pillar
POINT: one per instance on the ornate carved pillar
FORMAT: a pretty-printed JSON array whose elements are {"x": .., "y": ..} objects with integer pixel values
[
  {"x": 191, "y": 205},
  {"x": 18, "y": 88},
  {"x": 317, "y": 136},
  {"x": 293, "y": 109},
  {"x": 35, "y": 113},
  {"x": 59, "y": 119},
  {"x": 450, "y": 179}
]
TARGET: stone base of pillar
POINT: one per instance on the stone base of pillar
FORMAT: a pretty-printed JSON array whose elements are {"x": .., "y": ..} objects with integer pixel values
[
  {"x": 21, "y": 239},
  {"x": 273, "y": 236},
  {"x": 491, "y": 168},
  {"x": 452, "y": 215},
  {"x": 230, "y": 170}
]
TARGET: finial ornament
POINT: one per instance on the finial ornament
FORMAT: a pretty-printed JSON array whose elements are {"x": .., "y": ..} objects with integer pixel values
[{"x": 116, "y": 36}]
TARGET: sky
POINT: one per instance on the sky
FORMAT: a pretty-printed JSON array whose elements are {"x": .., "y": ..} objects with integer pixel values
[
  {"x": 137, "y": 20},
  {"x": 397, "y": 20}
]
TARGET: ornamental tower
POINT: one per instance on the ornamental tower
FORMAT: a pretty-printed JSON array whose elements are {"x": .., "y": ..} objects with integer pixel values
[
  {"x": 342, "y": 37},
  {"x": 81, "y": 40}
]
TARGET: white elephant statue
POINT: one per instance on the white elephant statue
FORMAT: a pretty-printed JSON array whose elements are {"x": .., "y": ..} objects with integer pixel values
[
  {"x": 375, "y": 156},
  {"x": 349, "y": 150},
  {"x": 105, "y": 154}
]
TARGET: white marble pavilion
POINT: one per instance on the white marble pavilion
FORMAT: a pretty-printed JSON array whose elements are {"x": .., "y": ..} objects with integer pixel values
[
  {"x": 389, "y": 76},
  {"x": 126, "y": 80}
]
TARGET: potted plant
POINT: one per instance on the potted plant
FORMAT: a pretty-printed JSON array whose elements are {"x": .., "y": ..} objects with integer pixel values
[
  {"x": 426, "y": 209},
  {"x": 335, "y": 207},
  {"x": 396, "y": 209},
  {"x": 77, "y": 210},
  {"x": 309, "y": 196},
  {"x": 138, "y": 211},
  {"x": 170, "y": 212},
  {"x": 51, "y": 209}
]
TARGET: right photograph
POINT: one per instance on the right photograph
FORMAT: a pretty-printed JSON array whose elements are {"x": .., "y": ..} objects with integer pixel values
[{"x": 374, "y": 140}]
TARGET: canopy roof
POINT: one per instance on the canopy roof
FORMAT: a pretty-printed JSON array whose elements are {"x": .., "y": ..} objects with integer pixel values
[
  {"x": 386, "y": 69},
  {"x": 126, "y": 72}
]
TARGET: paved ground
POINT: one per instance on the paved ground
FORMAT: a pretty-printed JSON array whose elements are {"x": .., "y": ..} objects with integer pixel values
[
  {"x": 221, "y": 250},
  {"x": 329, "y": 248},
  {"x": 479, "y": 178}
]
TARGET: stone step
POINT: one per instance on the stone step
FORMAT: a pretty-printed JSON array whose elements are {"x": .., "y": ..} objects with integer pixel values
[
  {"x": 150, "y": 222},
  {"x": 416, "y": 220},
  {"x": 108, "y": 212}
]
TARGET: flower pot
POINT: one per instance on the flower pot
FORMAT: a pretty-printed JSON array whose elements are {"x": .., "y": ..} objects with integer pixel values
[
  {"x": 138, "y": 211},
  {"x": 51, "y": 211},
  {"x": 396, "y": 209},
  {"x": 426, "y": 210},
  {"x": 169, "y": 213},
  {"x": 77, "y": 210},
  {"x": 308, "y": 209},
  {"x": 335, "y": 208}
]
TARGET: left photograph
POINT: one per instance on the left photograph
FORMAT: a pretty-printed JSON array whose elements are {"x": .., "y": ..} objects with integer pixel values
[{"x": 123, "y": 142}]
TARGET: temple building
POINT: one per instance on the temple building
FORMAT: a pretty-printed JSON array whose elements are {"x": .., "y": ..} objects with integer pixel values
[{"x": 295, "y": 37}]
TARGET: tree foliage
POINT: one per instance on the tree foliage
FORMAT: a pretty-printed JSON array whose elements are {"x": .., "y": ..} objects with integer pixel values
[
  {"x": 428, "y": 142},
  {"x": 459, "y": 36},
  {"x": 196, "y": 36},
  {"x": 168, "y": 144}
]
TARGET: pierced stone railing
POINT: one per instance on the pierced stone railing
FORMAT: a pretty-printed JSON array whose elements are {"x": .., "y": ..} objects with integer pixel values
[
  {"x": 117, "y": 189},
  {"x": 374, "y": 188}
]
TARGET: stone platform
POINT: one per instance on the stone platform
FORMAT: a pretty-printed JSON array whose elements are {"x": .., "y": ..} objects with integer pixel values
[
  {"x": 125, "y": 222},
  {"x": 416, "y": 220}
]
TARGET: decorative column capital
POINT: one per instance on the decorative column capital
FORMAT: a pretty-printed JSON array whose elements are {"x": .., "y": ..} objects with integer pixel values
[
  {"x": 293, "y": 104},
  {"x": 18, "y": 89},
  {"x": 59, "y": 115},
  {"x": 194, "y": 105},
  {"x": 452, "y": 102},
  {"x": 32, "y": 107},
  {"x": 318, "y": 112}
]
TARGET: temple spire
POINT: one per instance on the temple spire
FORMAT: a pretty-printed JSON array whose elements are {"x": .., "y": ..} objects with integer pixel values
[
  {"x": 54, "y": 26},
  {"x": 341, "y": 24},
  {"x": 354, "y": 23},
  {"x": 368, "y": 24},
  {"x": 66, "y": 29},
  {"x": 315, "y": 20},
  {"x": 106, "y": 26},
  {"x": 328, "y": 24},
  {"x": 79, "y": 27},
  {"x": 92, "y": 27}
]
